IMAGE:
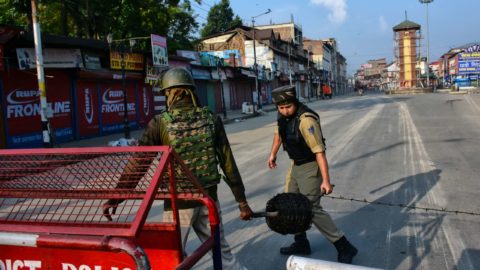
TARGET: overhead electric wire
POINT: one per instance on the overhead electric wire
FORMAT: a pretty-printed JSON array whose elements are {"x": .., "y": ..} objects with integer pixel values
[
  {"x": 200, "y": 7},
  {"x": 205, "y": 2}
]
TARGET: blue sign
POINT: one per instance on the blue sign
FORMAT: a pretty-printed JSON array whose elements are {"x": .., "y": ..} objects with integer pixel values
[
  {"x": 469, "y": 63},
  {"x": 225, "y": 55},
  {"x": 201, "y": 74},
  {"x": 463, "y": 82}
]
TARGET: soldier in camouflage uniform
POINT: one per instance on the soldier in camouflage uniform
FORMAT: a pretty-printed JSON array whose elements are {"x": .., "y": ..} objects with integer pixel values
[
  {"x": 200, "y": 140},
  {"x": 298, "y": 129}
]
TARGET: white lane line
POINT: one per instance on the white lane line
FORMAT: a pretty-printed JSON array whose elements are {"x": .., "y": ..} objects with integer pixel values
[
  {"x": 344, "y": 141},
  {"x": 435, "y": 196},
  {"x": 472, "y": 103}
]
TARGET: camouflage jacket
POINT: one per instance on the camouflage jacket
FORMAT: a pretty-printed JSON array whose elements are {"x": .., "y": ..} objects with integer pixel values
[{"x": 156, "y": 134}]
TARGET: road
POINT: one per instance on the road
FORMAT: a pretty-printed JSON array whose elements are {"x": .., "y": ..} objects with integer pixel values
[{"x": 415, "y": 150}]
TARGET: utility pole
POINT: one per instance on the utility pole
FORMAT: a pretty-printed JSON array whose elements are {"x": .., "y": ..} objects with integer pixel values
[
  {"x": 41, "y": 77},
  {"x": 126, "y": 124},
  {"x": 255, "y": 68},
  {"x": 426, "y": 2},
  {"x": 132, "y": 41},
  {"x": 220, "y": 63},
  {"x": 308, "y": 73},
  {"x": 289, "y": 66}
]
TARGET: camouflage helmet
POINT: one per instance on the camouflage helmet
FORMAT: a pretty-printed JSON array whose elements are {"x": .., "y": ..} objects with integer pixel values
[
  {"x": 177, "y": 77},
  {"x": 284, "y": 94}
]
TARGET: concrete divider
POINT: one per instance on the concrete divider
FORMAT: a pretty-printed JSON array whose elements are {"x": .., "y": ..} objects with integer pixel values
[{"x": 302, "y": 263}]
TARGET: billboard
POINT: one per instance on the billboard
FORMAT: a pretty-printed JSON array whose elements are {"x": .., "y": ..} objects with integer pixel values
[
  {"x": 87, "y": 109},
  {"x": 469, "y": 63},
  {"x": 112, "y": 106},
  {"x": 230, "y": 57},
  {"x": 52, "y": 58},
  {"x": 21, "y": 105},
  {"x": 146, "y": 108},
  {"x": 159, "y": 51},
  {"x": 133, "y": 61}
]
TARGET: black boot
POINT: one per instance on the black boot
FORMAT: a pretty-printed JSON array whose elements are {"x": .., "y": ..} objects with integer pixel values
[
  {"x": 300, "y": 246},
  {"x": 346, "y": 251}
]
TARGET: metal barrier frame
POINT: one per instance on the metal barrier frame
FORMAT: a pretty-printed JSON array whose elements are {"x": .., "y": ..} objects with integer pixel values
[{"x": 105, "y": 237}]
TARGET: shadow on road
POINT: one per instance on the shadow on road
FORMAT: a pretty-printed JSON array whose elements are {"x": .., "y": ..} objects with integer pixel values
[{"x": 388, "y": 237}]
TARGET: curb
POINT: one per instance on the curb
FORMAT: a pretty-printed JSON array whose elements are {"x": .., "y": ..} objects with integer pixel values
[{"x": 247, "y": 116}]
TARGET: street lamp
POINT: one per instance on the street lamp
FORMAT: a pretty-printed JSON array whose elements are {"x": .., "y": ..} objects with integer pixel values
[
  {"x": 46, "y": 133},
  {"x": 255, "y": 69},
  {"x": 131, "y": 42},
  {"x": 220, "y": 64},
  {"x": 309, "y": 51},
  {"x": 290, "y": 62},
  {"x": 426, "y": 2}
]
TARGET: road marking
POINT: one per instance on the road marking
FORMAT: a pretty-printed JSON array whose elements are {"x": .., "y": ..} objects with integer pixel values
[
  {"x": 343, "y": 142},
  {"x": 472, "y": 103},
  {"x": 416, "y": 155}
]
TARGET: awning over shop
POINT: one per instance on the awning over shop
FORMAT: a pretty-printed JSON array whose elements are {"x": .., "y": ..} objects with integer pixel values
[
  {"x": 201, "y": 74},
  {"x": 108, "y": 75}
]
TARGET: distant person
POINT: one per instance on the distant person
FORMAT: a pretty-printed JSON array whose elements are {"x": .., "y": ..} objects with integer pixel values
[
  {"x": 300, "y": 133},
  {"x": 360, "y": 91},
  {"x": 200, "y": 140},
  {"x": 327, "y": 91}
]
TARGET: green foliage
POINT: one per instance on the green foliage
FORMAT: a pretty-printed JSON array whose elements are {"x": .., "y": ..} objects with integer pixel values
[
  {"x": 96, "y": 19},
  {"x": 15, "y": 12},
  {"x": 220, "y": 19}
]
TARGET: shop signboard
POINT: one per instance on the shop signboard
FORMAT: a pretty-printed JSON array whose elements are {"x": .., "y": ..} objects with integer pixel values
[
  {"x": 469, "y": 63},
  {"x": 192, "y": 55},
  {"x": 133, "y": 61},
  {"x": 112, "y": 106},
  {"x": 92, "y": 62},
  {"x": 52, "y": 58},
  {"x": 159, "y": 51},
  {"x": 21, "y": 103},
  {"x": 201, "y": 74},
  {"x": 230, "y": 57}
]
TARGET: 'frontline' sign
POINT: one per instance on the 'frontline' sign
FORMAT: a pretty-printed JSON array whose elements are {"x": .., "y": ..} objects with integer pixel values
[{"x": 22, "y": 109}]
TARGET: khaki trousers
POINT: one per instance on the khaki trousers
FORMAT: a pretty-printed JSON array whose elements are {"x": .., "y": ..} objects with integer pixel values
[{"x": 306, "y": 179}]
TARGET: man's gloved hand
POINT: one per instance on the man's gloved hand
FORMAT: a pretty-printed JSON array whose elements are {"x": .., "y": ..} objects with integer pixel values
[
  {"x": 106, "y": 209},
  {"x": 245, "y": 211}
]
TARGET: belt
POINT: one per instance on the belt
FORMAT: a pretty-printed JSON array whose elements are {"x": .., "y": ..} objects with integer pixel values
[{"x": 302, "y": 161}]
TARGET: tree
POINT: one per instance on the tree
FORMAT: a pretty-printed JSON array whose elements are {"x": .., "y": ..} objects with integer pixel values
[
  {"x": 16, "y": 12},
  {"x": 96, "y": 19},
  {"x": 220, "y": 18}
]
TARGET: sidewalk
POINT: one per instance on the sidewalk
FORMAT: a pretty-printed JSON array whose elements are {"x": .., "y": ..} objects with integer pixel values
[{"x": 232, "y": 117}]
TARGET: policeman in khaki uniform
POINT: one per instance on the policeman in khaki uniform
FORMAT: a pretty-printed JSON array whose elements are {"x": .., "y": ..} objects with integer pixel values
[
  {"x": 300, "y": 134},
  {"x": 200, "y": 140}
]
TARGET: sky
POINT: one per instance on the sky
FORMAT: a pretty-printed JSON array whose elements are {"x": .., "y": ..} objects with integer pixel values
[{"x": 363, "y": 28}]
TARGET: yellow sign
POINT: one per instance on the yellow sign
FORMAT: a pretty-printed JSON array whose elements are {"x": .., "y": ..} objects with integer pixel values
[{"x": 133, "y": 61}]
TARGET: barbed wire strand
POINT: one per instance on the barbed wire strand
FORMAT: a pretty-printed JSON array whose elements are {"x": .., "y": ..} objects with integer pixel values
[{"x": 444, "y": 210}]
